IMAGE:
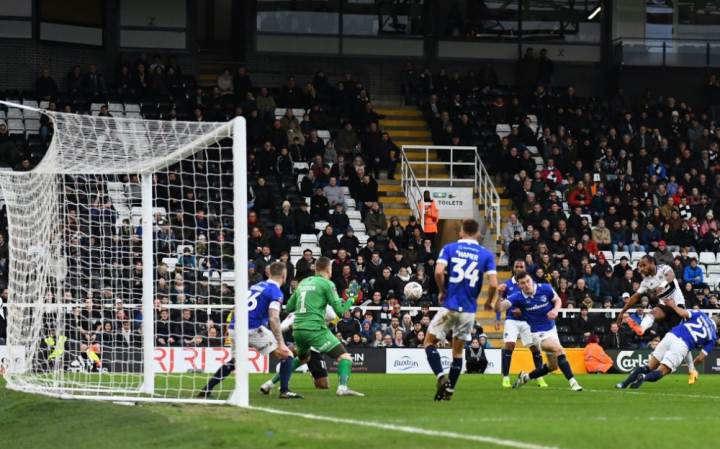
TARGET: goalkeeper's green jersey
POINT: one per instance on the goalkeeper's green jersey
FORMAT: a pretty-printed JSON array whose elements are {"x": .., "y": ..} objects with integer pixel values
[{"x": 310, "y": 300}]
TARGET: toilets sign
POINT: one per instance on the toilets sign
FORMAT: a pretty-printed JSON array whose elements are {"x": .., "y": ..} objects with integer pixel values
[{"x": 453, "y": 202}]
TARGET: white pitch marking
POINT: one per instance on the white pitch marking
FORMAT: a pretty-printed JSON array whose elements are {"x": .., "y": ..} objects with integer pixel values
[{"x": 408, "y": 429}]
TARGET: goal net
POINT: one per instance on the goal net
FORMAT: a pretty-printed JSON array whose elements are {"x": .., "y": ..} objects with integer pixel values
[{"x": 122, "y": 269}]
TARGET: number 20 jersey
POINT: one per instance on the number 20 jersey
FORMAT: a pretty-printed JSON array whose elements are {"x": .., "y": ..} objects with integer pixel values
[{"x": 467, "y": 263}]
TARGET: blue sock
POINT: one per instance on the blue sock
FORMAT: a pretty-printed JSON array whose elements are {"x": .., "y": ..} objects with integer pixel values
[
  {"x": 506, "y": 359},
  {"x": 653, "y": 377},
  {"x": 540, "y": 372},
  {"x": 564, "y": 366},
  {"x": 537, "y": 359},
  {"x": 433, "y": 357},
  {"x": 286, "y": 369},
  {"x": 223, "y": 372},
  {"x": 634, "y": 375},
  {"x": 455, "y": 369}
]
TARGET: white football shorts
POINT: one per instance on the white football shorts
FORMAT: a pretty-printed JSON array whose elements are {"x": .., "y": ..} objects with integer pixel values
[
  {"x": 671, "y": 351},
  {"x": 539, "y": 337},
  {"x": 460, "y": 322},
  {"x": 261, "y": 339},
  {"x": 513, "y": 328}
]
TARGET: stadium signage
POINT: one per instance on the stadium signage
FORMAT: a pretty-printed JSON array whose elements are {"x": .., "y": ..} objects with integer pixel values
[
  {"x": 712, "y": 362},
  {"x": 206, "y": 360},
  {"x": 452, "y": 202},
  {"x": 628, "y": 361},
  {"x": 365, "y": 360}
]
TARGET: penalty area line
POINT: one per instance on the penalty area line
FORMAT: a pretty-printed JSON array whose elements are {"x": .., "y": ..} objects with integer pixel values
[{"x": 408, "y": 429}]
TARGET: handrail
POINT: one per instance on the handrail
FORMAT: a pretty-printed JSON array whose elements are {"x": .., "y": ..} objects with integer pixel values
[
  {"x": 411, "y": 188},
  {"x": 482, "y": 182}
]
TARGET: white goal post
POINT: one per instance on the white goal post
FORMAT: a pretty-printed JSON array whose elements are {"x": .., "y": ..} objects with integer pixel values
[{"x": 123, "y": 230}]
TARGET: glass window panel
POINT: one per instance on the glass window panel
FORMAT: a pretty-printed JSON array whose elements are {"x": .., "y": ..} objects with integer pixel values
[
  {"x": 301, "y": 17},
  {"x": 383, "y": 17}
]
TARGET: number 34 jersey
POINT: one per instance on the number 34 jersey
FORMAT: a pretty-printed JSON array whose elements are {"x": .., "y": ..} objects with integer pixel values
[{"x": 467, "y": 263}]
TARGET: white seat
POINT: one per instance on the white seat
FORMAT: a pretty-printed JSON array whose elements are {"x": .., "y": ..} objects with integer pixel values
[
  {"x": 346, "y": 190},
  {"x": 321, "y": 225},
  {"x": 34, "y": 115},
  {"x": 15, "y": 124},
  {"x": 294, "y": 259},
  {"x": 350, "y": 203},
  {"x": 502, "y": 127},
  {"x": 693, "y": 254},
  {"x": 362, "y": 238},
  {"x": 135, "y": 115},
  {"x": 116, "y": 107},
  {"x": 181, "y": 249},
  {"x": 315, "y": 251},
  {"x": 301, "y": 166},
  {"x": 323, "y": 134},
  {"x": 14, "y": 113},
  {"x": 307, "y": 201},
  {"x": 228, "y": 277},
  {"x": 44, "y": 104},
  {"x": 707, "y": 258},
  {"x": 713, "y": 269},
  {"x": 713, "y": 280},
  {"x": 132, "y": 107},
  {"x": 296, "y": 250},
  {"x": 533, "y": 151},
  {"x": 279, "y": 114},
  {"x": 608, "y": 255},
  {"x": 702, "y": 268},
  {"x": 620, "y": 254},
  {"x": 354, "y": 215},
  {"x": 32, "y": 125},
  {"x": 589, "y": 217},
  {"x": 308, "y": 238},
  {"x": 30, "y": 103},
  {"x": 298, "y": 113},
  {"x": 3, "y": 116},
  {"x": 171, "y": 262},
  {"x": 97, "y": 106},
  {"x": 358, "y": 226},
  {"x": 637, "y": 255},
  {"x": 115, "y": 186},
  {"x": 533, "y": 118},
  {"x": 213, "y": 277}
]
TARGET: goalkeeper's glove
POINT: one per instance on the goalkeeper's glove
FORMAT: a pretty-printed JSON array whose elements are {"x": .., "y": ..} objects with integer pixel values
[{"x": 352, "y": 291}]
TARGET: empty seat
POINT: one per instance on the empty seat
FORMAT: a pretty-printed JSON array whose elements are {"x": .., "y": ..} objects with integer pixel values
[
  {"x": 132, "y": 107},
  {"x": 14, "y": 113},
  {"x": 33, "y": 115},
  {"x": 301, "y": 166},
  {"x": 693, "y": 254},
  {"x": 228, "y": 277},
  {"x": 707, "y": 258},
  {"x": 296, "y": 251},
  {"x": 171, "y": 262},
  {"x": 637, "y": 255},
  {"x": 308, "y": 238},
  {"x": 713, "y": 269},
  {"x": 115, "y": 107},
  {"x": 30, "y": 103},
  {"x": 15, "y": 124}
]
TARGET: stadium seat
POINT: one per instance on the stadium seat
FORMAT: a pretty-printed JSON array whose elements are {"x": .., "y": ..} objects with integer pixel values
[
  {"x": 362, "y": 238},
  {"x": 568, "y": 341},
  {"x": 608, "y": 255},
  {"x": 308, "y": 239},
  {"x": 294, "y": 259},
  {"x": 321, "y": 225},
  {"x": 502, "y": 130},
  {"x": 296, "y": 251},
  {"x": 620, "y": 254},
  {"x": 350, "y": 203},
  {"x": 589, "y": 218},
  {"x": 132, "y": 107},
  {"x": 181, "y": 249},
  {"x": 213, "y": 277},
  {"x": 358, "y": 226},
  {"x": 30, "y": 103},
  {"x": 707, "y": 258},
  {"x": 315, "y": 251},
  {"x": 533, "y": 151},
  {"x": 301, "y": 166},
  {"x": 600, "y": 330},
  {"x": 563, "y": 330},
  {"x": 637, "y": 255},
  {"x": 228, "y": 277},
  {"x": 693, "y": 254},
  {"x": 353, "y": 215},
  {"x": 713, "y": 269},
  {"x": 171, "y": 263},
  {"x": 32, "y": 115},
  {"x": 324, "y": 134},
  {"x": 14, "y": 113},
  {"x": 712, "y": 281}
]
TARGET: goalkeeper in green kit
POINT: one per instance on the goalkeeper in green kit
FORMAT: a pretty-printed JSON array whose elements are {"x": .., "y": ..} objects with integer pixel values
[{"x": 309, "y": 302}]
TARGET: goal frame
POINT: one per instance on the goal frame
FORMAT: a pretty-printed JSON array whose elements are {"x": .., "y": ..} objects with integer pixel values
[{"x": 235, "y": 129}]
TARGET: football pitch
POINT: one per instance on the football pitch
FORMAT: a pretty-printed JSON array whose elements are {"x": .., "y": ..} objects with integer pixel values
[{"x": 397, "y": 411}]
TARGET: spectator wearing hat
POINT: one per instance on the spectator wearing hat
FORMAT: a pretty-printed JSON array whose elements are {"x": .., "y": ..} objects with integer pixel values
[
  {"x": 286, "y": 218},
  {"x": 708, "y": 224},
  {"x": 610, "y": 286},
  {"x": 304, "y": 223},
  {"x": 621, "y": 267},
  {"x": 663, "y": 255},
  {"x": 411, "y": 227},
  {"x": 253, "y": 276},
  {"x": 694, "y": 274},
  {"x": 596, "y": 361}
]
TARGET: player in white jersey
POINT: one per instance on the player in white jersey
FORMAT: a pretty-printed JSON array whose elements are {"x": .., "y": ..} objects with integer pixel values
[
  {"x": 658, "y": 283},
  {"x": 316, "y": 364}
]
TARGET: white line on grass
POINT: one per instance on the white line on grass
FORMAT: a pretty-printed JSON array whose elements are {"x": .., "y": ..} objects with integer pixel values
[
  {"x": 408, "y": 429},
  {"x": 655, "y": 393}
]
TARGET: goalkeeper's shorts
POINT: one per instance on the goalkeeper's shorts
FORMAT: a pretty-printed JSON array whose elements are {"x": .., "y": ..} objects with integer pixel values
[{"x": 322, "y": 340}]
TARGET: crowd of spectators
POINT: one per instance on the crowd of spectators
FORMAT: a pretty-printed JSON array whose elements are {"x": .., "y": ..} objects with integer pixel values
[{"x": 299, "y": 185}]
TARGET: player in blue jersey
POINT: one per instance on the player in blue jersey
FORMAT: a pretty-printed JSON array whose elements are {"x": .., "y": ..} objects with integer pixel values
[
  {"x": 540, "y": 305},
  {"x": 515, "y": 325},
  {"x": 467, "y": 263},
  {"x": 264, "y": 304},
  {"x": 695, "y": 331}
]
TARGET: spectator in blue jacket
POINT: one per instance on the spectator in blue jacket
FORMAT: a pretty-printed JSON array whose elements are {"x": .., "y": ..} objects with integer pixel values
[
  {"x": 656, "y": 168},
  {"x": 650, "y": 237},
  {"x": 694, "y": 274},
  {"x": 591, "y": 280},
  {"x": 617, "y": 237}
]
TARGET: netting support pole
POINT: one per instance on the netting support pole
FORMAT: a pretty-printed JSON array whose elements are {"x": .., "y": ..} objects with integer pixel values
[
  {"x": 148, "y": 326},
  {"x": 241, "y": 396}
]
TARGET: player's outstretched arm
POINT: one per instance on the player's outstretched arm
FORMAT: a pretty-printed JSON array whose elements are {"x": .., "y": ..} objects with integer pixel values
[
  {"x": 556, "y": 309},
  {"x": 336, "y": 303},
  {"x": 683, "y": 313},
  {"x": 634, "y": 299},
  {"x": 501, "y": 304}
]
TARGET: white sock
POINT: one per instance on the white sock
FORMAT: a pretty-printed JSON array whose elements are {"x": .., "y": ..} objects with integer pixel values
[
  {"x": 506, "y": 377},
  {"x": 690, "y": 362},
  {"x": 572, "y": 381},
  {"x": 647, "y": 322},
  {"x": 342, "y": 387},
  {"x": 440, "y": 375}
]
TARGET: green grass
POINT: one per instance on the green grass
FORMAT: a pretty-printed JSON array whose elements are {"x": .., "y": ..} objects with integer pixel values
[{"x": 665, "y": 414}]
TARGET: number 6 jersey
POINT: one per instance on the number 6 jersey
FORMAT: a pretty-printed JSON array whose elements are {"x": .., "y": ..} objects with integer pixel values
[{"x": 467, "y": 263}]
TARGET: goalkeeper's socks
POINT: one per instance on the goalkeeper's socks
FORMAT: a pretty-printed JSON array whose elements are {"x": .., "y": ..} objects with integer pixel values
[
  {"x": 220, "y": 374},
  {"x": 539, "y": 372},
  {"x": 295, "y": 365},
  {"x": 286, "y": 369},
  {"x": 653, "y": 376},
  {"x": 634, "y": 375},
  {"x": 344, "y": 370},
  {"x": 505, "y": 363},
  {"x": 433, "y": 357},
  {"x": 455, "y": 369}
]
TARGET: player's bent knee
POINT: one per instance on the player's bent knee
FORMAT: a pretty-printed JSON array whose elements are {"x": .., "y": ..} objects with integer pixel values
[
  {"x": 322, "y": 383},
  {"x": 510, "y": 347},
  {"x": 282, "y": 355},
  {"x": 533, "y": 348}
]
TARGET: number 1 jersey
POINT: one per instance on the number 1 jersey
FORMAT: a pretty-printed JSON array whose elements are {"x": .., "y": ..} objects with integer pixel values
[{"x": 467, "y": 263}]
